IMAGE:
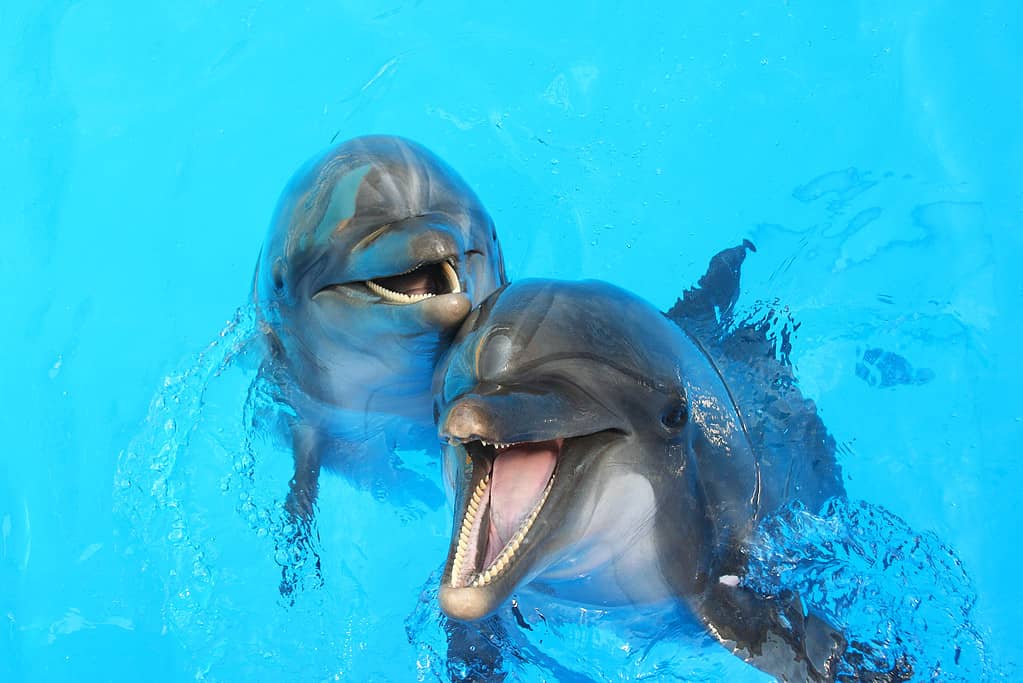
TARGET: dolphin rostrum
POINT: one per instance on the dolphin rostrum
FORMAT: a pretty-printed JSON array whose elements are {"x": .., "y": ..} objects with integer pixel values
[
  {"x": 376, "y": 253},
  {"x": 598, "y": 455}
]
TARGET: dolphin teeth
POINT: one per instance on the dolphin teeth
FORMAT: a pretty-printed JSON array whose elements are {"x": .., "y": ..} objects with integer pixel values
[
  {"x": 467, "y": 525},
  {"x": 499, "y": 446},
  {"x": 504, "y": 558},
  {"x": 452, "y": 277},
  {"x": 393, "y": 296}
]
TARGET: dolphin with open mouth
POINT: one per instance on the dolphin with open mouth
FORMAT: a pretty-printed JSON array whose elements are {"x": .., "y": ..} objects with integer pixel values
[
  {"x": 376, "y": 253},
  {"x": 602, "y": 455}
]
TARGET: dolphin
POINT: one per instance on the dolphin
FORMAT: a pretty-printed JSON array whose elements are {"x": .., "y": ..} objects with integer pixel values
[
  {"x": 601, "y": 454},
  {"x": 375, "y": 254}
]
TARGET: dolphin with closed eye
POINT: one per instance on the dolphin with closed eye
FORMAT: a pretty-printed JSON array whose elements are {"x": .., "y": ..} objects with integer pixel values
[{"x": 375, "y": 254}]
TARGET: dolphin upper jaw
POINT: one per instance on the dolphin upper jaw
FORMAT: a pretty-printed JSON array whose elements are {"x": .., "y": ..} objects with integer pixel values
[{"x": 371, "y": 251}]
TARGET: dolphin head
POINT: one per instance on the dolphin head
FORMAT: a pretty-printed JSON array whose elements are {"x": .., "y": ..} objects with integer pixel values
[
  {"x": 376, "y": 253},
  {"x": 565, "y": 411}
]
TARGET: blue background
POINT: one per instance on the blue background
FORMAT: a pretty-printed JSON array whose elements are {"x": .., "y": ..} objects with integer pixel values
[{"x": 871, "y": 150}]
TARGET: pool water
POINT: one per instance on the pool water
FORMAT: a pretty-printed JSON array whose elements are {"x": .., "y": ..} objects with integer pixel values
[{"x": 870, "y": 150}]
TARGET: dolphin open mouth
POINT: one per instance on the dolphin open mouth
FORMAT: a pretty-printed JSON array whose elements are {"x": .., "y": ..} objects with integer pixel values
[
  {"x": 505, "y": 502},
  {"x": 422, "y": 282}
]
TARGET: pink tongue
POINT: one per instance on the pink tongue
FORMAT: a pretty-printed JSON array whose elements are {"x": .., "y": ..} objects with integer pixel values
[{"x": 519, "y": 476}]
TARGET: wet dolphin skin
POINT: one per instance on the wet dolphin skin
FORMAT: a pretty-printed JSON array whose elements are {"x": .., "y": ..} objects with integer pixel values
[{"x": 597, "y": 456}]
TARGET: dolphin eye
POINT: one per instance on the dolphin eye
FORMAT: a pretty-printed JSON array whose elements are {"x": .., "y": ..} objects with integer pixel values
[{"x": 676, "y": 414}]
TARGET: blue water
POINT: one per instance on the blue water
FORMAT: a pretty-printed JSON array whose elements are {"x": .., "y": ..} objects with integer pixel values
[{"x": 870, "y": 150}]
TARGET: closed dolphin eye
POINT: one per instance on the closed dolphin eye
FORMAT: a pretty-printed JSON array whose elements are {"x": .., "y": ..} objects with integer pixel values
[{"x": 495, "y": 356}]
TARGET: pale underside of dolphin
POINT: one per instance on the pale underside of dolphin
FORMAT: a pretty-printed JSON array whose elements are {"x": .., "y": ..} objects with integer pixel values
[
  {"x": 602, "y": 455},
  {"x": 376, "y": 253}
]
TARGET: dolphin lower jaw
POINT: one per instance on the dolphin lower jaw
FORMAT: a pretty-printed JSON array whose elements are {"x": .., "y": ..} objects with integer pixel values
[{"x": 468, "y": 604}]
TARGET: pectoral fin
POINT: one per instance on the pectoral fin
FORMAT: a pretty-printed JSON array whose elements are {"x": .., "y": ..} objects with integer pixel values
[
  {"x": 299, "y": 547},
  {"x": 774, "y": 633}
]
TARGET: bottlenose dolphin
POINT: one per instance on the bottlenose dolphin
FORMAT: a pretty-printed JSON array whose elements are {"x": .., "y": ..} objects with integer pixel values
[
  {"x": 376, "y": 253},
  {"x": 602, "y": 455}
]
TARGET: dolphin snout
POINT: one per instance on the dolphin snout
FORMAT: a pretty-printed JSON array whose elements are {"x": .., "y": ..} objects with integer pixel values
[
  {"x": 465, "y": 421},
  {"x": 446, "y": 311},
  {"x": 467, "y": 604}
]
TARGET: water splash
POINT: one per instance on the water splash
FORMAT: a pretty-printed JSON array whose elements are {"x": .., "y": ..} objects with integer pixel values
[
  {"x": 532, "y": 638},
  {"x": 902, "y": 597},
  {"x": 200, "y": 491}
]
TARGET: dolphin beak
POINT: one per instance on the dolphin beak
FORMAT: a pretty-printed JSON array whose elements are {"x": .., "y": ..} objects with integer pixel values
[
  {"x": 506, "y": 493},
  {"x": 467, "y": 420},
  {"x": 466, "y": 604},
  {"x": 510, "y": 445},
  {"x": 538, "y": 414},
  {"x": 446, "y": 311}
]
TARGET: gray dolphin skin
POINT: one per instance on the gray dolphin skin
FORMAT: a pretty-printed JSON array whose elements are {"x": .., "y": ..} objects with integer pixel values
[
  {"x": 376, "y": 253},
  {"x": 600, "y": 455}
]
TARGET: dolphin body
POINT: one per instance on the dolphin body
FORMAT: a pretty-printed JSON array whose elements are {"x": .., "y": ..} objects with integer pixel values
[
  {"x": 602, "y": 455},
  {"x": 376, "y": 253}
]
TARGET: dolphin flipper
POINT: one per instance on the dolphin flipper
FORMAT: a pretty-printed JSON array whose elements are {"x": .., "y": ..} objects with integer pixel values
[
  {"x": 774, "y": 633},
  {"x": 795, "y": 452},
  {"x": 308, "y": 447},
  {"x": 315, "y": 450},
  {"x": 300, "y": 508}
]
